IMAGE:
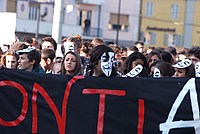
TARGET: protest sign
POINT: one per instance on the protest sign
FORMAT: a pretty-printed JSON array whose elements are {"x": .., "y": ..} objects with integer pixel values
[
  {"x": 57, "y": 104},
  {"x": 7, "y": 26}
]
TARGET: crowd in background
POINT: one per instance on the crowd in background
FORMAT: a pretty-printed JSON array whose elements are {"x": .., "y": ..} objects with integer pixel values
[{"x": 99, "y": 58}]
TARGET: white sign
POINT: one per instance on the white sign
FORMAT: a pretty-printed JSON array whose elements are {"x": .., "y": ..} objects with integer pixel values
[{"x": 7, "y": 26}]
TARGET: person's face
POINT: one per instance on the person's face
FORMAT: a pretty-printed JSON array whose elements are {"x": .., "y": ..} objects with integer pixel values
[
  {"x": 179, "y": 72},
  {"x": 107, "y": 62},
  {"x": 70, "y": 62},
  {"x": 152, "y": 70},
  {"x": 153, "y": 59},
  {"x": 140, "y": 48},
  {"x": 4, "y": 47},
  {"x": 136, "y": 62},
  {"x": 124, "y": 54},
  {"x": 11, "y": 62},
  {"x": 24, "y": 63},
  {"x": 193, "y": 59},
  {"x": 47, "y": 45},
  {"x": 181, "y": 57},
  {"x": 43, "y": 64}
]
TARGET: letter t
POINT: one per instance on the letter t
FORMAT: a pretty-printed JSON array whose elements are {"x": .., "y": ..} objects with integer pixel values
[{"x": 103, "y": 93}]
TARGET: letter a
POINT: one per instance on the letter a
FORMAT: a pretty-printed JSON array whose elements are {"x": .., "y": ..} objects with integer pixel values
[{"x": 170, "y": 124}]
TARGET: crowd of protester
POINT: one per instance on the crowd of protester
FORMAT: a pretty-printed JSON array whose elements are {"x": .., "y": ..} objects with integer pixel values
[{"x": 99, "y": 58}]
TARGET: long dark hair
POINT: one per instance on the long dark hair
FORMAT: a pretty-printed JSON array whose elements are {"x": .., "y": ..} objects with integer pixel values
[
  {"x": 95, "y": 56},
  {"x": 133, "y": 57},
  {"x": 77, "y": 69}
]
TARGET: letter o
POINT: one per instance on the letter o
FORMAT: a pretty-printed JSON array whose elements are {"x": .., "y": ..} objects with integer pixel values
[{"x": 24, "y": 105}]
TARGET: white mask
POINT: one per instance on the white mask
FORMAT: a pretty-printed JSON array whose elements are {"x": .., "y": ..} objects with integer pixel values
[
  {"x": 156, "y": 73},
  {"x": 197, "y": 69},
  {"x": 134, "y": 72},
  {"x": 69, "y": 46},
  {"x": 183, "y": 64},
  {"x": 107, "y": 62}
]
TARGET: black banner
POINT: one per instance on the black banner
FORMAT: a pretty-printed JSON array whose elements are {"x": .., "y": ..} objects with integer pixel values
[{"x": 55, "y": 104}]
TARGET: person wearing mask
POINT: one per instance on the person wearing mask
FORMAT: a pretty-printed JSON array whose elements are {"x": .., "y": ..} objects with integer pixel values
[
  {"x": 162, "y": 69},
  {"x": 101, "y": 62},
  {"x": 184, "y": 68},
  {"x": 136, "y": 58},
  {"x": 73, "y": 44}
]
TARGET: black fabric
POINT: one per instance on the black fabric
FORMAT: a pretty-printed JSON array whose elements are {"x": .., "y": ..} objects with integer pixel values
[{"x": 121, "y": 112}]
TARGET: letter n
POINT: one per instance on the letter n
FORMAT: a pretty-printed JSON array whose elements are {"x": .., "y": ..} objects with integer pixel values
[{"x": 61, "y": 119}]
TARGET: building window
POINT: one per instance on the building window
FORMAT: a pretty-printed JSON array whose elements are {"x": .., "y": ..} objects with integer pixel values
[
  {"x": 174, "y": 11},
  {"x": 166, "y": 39},
  {"x": 173, "y": 40},
  {"x": 33, "y": 12},
  {"x": 149, "y": 9},
  {"x": 123, "y": 23},
  {"x": 148, "y": 38},
  {"x": 153, "y": 38},
  {"x": 178, "y": 40}
]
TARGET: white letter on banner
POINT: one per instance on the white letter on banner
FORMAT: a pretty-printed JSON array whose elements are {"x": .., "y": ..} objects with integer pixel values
[{"x": 170, "y": 124}]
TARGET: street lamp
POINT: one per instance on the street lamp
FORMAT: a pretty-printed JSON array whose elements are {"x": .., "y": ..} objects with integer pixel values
[
  {"x": 37, "y": 3},
  {"x": 118, "y": 20},
  {"x": 38, "y": 21},
  {"x": 58, "y": 20}
]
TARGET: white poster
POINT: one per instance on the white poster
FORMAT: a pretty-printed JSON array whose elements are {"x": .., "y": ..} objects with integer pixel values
[{"x": 7, "y": 26}]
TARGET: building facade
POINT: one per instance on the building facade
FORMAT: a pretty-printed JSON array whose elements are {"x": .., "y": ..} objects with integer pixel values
[
  {"x": 170, "y": 23},
  {"x": 163, "y": 27},
  {"x": 177, "y": 25},
  {"x": 101, "y": 15},
  {"x": 196, "y": 24}
]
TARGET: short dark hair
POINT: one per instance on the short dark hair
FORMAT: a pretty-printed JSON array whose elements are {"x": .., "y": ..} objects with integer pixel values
[
  {"x": 165, "y": 68},
  {"x": 33, "y": 55},
  {"x": 166, "y": 56},
  {"x": 51, "y": 40},
  {"x": 27, "y": 39},
  {"x": 190, "y": 71},
  {"x": 48, "y": 53},
  {"x": 195, "y": 51},
  {"x": 133, "y": 48},
  {"x": 171, "y": 50},
  {"x": 139, "y": 42}
]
